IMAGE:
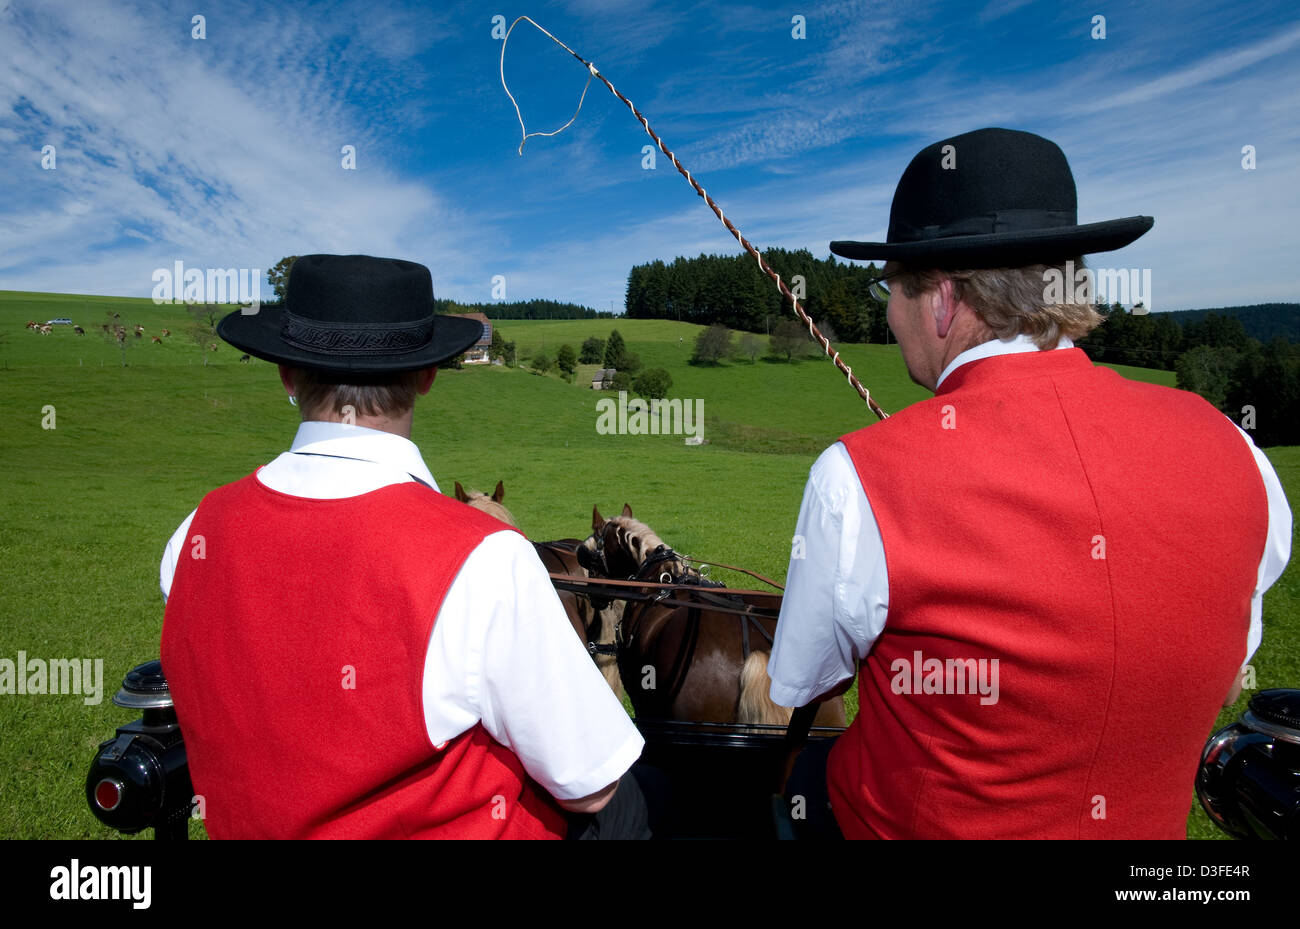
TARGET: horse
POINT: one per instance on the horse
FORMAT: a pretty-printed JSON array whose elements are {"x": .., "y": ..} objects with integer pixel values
[
  {"x": 594, "y": 622},
  {"x": 691, "y": 652}
]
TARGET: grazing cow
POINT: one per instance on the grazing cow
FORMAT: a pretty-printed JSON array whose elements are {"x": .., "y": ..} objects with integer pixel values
[
  {"x": 32, "y": 324},
  {"x": 46, "y": 329},
  {"x": 243, "y": 358},
  {"x": 78, "y": 330},
  {"x": 166, "y": 332},
  {"x": 157, "y": 341}
]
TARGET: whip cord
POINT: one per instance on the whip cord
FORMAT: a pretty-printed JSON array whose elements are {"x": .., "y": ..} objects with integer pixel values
[{"x": 813, "y": 331}]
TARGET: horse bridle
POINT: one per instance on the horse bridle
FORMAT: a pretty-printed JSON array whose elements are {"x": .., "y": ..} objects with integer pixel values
[{"x": 596, "y": 562}]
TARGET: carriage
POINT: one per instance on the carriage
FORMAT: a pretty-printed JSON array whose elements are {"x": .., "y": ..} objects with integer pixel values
[
  {"x": 724, "y": 748},
  {"x": 724, "y": 762}
]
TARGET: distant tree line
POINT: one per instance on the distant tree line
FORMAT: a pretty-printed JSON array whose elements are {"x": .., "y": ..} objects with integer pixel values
[
  {"x": 732, "y": 291},
  {"x": 1256, "y": 385},
  {"x": 1263, "y": 321},
  {"x": 523, "y": 309}
]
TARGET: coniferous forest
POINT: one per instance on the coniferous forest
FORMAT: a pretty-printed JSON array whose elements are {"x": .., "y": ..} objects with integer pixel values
[{"x": 1244, "y": 360}]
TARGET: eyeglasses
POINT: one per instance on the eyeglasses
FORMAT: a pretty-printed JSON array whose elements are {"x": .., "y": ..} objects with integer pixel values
[{"x": 879, "y": 289}]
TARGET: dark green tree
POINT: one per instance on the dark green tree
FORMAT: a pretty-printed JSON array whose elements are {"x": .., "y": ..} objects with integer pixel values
[
  {"x": 497, "y": 349},
  {"x": 567, "y": 361},
  {"x": 1207, "y": 370},
  {"x": 653, "y": 384},
  {"x": 788, "y": 340},
  {"x": 750, "y": 346},
  {"x": 278, "y": 277},
  {"x": 711, "y": 344},
  {"x": 593, "y": 351},
  {"x": 614, "y": 351}
]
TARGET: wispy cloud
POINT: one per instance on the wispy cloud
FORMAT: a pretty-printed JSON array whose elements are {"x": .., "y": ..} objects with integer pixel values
[{"x": 226, "y": 151}]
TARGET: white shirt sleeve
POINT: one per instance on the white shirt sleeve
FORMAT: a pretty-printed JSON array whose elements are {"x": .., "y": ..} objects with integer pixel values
[
  {"x": 1277, "y": 548},
  {"x": 171, "y": 554},
  {"x": 502, "y": 651},
  {"x": 837, "y": 593}
]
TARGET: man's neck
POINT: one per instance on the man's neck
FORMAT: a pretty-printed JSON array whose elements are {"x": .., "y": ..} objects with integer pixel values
[{"x": 399, "y": 425}]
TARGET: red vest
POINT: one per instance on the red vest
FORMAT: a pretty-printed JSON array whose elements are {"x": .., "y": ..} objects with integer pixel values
[
  {"x": 1100, "y": 539},
  {"x": 294, "y": 648}
]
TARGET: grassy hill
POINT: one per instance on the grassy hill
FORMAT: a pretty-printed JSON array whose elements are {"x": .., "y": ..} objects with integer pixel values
[{"x": 88, "y": 505}]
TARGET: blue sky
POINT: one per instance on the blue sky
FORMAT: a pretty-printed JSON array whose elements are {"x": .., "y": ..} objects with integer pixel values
[{"x": 225, "y": 152}]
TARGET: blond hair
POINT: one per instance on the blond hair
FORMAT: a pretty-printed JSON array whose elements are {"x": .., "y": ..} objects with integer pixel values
[{"x": 1012, "y": 301}]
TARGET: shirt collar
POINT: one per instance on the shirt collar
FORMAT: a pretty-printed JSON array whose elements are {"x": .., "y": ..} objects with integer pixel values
[
  {"x": 1019, "y": 343},
  {"x": 348, "y": 441}
]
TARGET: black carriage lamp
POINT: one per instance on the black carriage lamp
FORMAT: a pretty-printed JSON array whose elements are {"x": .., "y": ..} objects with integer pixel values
[
  {"x": 1249, "y": 778},
  {"x": 140, "y": 777}
]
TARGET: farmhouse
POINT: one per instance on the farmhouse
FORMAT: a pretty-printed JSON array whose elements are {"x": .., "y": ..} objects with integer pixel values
[
  {"x": 477, "y": 354},
  {"x": 603, "y": 379}
]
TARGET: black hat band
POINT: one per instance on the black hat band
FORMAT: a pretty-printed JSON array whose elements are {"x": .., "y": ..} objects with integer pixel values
[
  {"x": 356, "y": 338},
  {"x": 997, "y": 221}
]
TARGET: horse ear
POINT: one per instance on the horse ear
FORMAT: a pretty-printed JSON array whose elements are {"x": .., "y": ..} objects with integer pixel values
[
  {"x": 499, "y": 494},
  {"x": 596, "y": 519},
  {"x": 460, "y": 493},
  {"x": 627, "y": 510}
]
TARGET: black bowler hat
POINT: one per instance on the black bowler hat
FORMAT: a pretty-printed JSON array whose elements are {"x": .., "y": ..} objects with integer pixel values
[
  {"x": 990, "y": 198},
  {"x": 353, "y": 313}
]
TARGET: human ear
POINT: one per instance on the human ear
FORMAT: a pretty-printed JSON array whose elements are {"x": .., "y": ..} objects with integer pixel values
[{"x": 943, "y": 307}]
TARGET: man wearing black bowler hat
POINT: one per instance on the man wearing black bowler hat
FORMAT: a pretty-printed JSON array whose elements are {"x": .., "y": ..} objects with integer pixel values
[
  {"x": 1047, "y": 578},
  {"x": 354, "y": 655}
]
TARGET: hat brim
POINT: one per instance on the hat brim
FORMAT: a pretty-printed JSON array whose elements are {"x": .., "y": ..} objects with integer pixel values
[
  {"x": 259, "y": 335},
  {"x": 1004, "y": 249}
]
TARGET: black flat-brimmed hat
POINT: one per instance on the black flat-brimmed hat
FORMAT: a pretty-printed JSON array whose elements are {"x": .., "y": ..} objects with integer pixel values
[
  {"x": 990, "y": 198},
  {"x": 353, "y": 313}
]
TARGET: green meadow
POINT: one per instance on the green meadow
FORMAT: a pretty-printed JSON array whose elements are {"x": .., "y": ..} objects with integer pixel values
[{"x": 89, "y": 504}]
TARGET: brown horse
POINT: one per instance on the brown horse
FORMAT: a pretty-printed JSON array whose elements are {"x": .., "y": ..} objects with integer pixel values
[
  {"x": 594, "y": 623},
  {"x": 694, "y": 652}
]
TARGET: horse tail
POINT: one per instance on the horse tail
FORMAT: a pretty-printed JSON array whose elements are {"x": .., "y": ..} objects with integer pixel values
[{"x": 755, "y": 704}]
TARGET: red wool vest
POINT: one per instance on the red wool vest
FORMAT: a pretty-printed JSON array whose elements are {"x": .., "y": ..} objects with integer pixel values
[
  {"x": 1100, "y": 539},
  {"x": 295, "y": 647}
]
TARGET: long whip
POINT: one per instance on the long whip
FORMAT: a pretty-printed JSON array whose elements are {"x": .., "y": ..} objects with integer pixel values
[{"x": 813, "y": 331}]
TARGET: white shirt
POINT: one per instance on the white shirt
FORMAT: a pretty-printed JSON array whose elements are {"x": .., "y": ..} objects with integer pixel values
[
  {"x": 502, "y": 651},
  {"x": 826, "y": 629}
]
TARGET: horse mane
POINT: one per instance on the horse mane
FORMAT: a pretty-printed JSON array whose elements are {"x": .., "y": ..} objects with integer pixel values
[{"x": 642, "y": 541}]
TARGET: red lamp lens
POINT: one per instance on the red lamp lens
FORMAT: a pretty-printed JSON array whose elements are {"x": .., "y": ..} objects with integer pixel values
[{"x": 108, "y": 794}]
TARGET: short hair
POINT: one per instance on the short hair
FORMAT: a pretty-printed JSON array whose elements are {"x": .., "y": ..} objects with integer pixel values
[
  {"x": 1012, "y": 301},
  {"x": 385, "y": 394}
]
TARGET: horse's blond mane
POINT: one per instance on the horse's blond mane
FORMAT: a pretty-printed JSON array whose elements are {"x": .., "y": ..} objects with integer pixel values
[{"x": 642, "y": 541}]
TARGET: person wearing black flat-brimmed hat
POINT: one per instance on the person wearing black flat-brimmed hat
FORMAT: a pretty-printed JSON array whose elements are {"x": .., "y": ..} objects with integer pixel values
[
  {"x": 1047, "y": 578},
  {"x": 354, "y": 655}
]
